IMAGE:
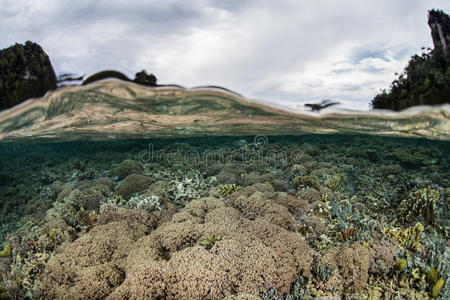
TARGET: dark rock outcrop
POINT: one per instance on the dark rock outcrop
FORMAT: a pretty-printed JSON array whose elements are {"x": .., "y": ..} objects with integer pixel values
[
  {"x": 439, "y": 23},
  {"x": 25, "y": 72}
]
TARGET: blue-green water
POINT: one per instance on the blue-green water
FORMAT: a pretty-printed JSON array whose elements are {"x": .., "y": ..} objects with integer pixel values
[{"x": 120, "y": 192}]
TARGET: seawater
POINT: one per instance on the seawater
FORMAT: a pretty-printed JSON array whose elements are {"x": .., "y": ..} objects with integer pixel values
[{"x": 121, "y": 191}]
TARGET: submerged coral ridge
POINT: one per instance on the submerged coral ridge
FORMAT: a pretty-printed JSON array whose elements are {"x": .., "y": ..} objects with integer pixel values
[{"x": 298, "y": 217}]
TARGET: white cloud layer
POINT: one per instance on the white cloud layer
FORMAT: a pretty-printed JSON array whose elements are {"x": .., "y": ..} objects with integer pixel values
[{"x": 287, "y": 52}]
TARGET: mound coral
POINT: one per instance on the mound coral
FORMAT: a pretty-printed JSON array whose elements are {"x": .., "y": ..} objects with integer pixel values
[
  {"x": 253, "y": 250},
  {"x": 126, "y": 168},
  {"x": 92, "y": 266},
  {"x": 350, "y": 265},
  {"x": 133, "y": 183}
]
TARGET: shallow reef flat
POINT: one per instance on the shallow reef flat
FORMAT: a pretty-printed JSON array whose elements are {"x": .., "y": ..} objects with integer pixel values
[{"x": 255, "y": 217}]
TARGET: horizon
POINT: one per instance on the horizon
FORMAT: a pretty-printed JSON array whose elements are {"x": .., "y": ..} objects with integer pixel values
[{"x": 287, "y": 55}]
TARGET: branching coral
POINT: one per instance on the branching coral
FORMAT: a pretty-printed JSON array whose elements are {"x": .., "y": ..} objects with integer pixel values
[
  {"x": 333, "y": 182},
  {"x": 420, "y": 203},
  {"x": 408, "y": 238},
  {"x": 148, "y": 203},
  {"x": 306, "y": 181}
]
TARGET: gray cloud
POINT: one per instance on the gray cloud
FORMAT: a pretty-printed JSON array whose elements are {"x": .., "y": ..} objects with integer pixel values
[{"x": 287, "y": 52}]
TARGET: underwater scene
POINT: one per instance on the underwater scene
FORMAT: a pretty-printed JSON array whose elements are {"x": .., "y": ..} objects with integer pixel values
[{"x": 119, "y": 191}]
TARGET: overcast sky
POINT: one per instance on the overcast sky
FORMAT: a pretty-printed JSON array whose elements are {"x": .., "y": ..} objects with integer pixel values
[{"x": 287, "y": 52}]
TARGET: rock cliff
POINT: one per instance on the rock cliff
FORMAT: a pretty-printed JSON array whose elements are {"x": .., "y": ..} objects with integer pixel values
[
  {"x": 25, "y": 72},
  {"x": 439, "y": 23}
]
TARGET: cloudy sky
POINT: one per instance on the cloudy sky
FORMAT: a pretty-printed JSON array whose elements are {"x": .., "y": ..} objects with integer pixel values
[{"x": 286, "y": 52}]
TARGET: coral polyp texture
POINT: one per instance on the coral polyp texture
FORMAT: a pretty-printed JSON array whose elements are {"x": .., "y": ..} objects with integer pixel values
[{"x": 327, "y": 217}]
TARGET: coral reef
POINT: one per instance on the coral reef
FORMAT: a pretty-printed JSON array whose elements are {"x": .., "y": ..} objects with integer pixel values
[
  {"x": 6, "y": 250},
  {"x": 331, "y": 221},
  {"x": 249, "y": 254}
]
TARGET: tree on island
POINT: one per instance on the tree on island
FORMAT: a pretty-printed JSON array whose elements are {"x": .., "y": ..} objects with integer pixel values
[
  {"x": 145, "y": 79},
  {"x": 426, "y": 78}
]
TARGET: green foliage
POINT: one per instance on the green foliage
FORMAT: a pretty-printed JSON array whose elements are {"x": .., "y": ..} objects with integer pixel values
[
  {"x": 25, "y": 72},
  {"x": 145, "y": 79},
  {"x": 104, "y": 75},
  {"x": 424, "y": 81}
]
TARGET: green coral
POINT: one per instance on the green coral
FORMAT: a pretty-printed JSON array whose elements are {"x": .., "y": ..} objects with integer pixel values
[
  {"x": 408, "y": 238},
  {"x": 227, "y": 189},
  {"x": 4, "y": 294},
  {"x": 437, "y": 287},
  {"x": 408, "y": 157},
  {"x": 210, "y": 240},
  {"x": 432, "y": 276},
  {"x": 6, "y": 251},
  {"x": 400, "y": 265},
  {"x": 322, "y": 272},
  {"x": 306, "y": 181},
  {"x": 333, "y": 182}
]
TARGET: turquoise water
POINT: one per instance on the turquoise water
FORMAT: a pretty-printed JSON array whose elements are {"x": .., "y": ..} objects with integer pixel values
[{"x": 118, "y": 191}]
